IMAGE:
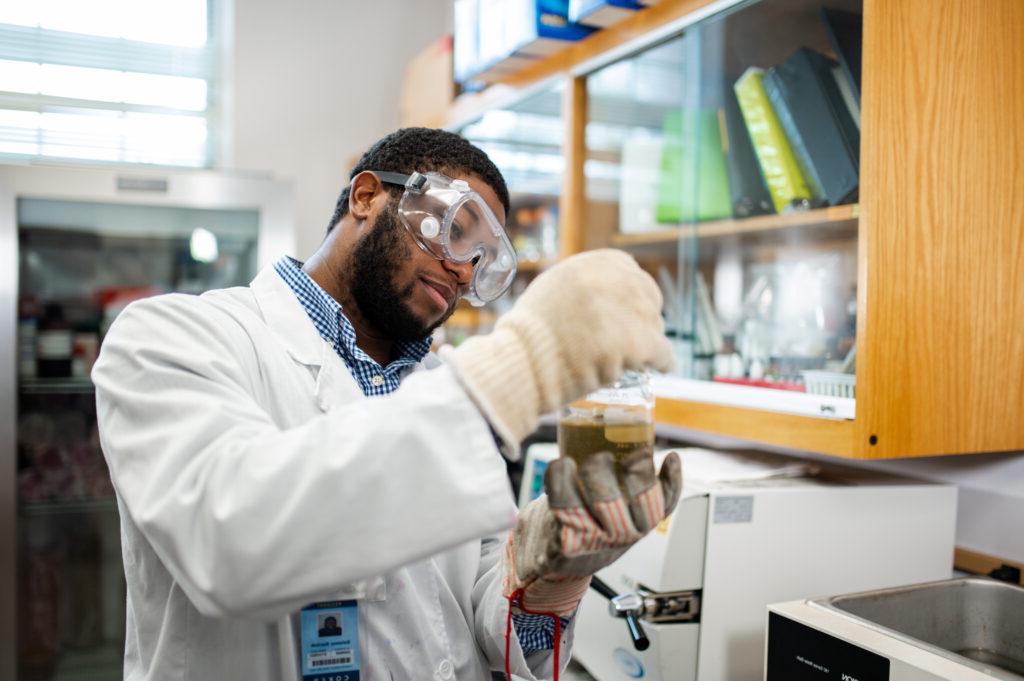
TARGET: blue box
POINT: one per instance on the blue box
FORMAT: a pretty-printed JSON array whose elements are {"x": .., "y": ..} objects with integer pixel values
[
  {"x": 542, "y": 27},
  {"x": 508, "y": 34},
  {"x": 602, "y": 13}
]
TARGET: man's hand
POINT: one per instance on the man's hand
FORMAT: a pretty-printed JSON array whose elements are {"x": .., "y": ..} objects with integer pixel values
[
  {"x": 586, "y": 521},
  {"x": 577, "y": 327}
]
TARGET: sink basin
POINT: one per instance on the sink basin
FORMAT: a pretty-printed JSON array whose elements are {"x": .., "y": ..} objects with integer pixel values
[{"x": 976, "y": 620}]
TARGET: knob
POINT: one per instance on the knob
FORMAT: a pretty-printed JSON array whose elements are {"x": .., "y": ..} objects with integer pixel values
[
  {"x": 619, "y": 606},
  {"x": 430, "y": 227}
]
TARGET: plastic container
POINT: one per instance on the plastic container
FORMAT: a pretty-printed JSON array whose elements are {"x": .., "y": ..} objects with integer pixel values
[
  {"x": 830, "y": 383},
  {"x": 617, "y": 419}
]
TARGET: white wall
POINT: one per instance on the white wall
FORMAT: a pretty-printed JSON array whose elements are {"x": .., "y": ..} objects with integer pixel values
[
  {"x": 312, "y": 83},
  {"x": 990, "y": 510},
  {"x": 990, "y": 517}
]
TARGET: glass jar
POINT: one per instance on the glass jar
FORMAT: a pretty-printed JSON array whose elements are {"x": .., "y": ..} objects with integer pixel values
[{"x": 617, "y": 419}]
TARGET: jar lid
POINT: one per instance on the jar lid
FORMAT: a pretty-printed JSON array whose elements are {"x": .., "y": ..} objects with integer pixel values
[{"x": 632, "y": 388}]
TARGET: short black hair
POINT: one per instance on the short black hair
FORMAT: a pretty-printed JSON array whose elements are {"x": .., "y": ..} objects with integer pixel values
[{"x": 410, "y": 150}]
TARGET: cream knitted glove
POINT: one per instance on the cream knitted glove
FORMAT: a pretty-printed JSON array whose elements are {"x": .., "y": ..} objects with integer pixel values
[
  {"x": 577, "y": 327},
  {"x": 584, "y": 523}
]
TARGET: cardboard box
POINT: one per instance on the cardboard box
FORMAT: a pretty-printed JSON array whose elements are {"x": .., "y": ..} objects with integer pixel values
[{"x": 427, "y": 85}]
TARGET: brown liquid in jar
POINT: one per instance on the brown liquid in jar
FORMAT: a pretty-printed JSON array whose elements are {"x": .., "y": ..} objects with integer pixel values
[{"x": 579, "y": 437}]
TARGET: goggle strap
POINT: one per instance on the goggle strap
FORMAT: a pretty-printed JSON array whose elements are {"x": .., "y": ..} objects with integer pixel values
[{"x": 414, "y": 181}]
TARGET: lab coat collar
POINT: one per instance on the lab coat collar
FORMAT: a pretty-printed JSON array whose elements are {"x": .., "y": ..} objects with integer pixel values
[
  {"x": 286, "y": 319},
  {"x": 290, "y": 324}
]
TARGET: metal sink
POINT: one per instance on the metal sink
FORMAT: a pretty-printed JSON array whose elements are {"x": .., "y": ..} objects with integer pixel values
[{"x": 976, "y": 621}]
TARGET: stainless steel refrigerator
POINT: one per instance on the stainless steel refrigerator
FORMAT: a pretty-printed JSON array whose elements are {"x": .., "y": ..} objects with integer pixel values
[{"x": 76, "y": 246}]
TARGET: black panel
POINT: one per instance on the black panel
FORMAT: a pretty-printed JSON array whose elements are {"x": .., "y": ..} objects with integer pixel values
[{"x": 799, "y": 653}]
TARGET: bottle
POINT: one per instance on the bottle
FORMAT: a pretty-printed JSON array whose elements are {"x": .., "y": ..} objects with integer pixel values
[
  {"x": 617, "y": 419},
  {"x": 53, "y": 344},
  {"x": 28, "y": 336}
]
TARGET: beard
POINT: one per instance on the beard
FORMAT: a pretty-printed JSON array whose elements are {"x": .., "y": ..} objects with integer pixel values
[{"x": 381, "y": 303}]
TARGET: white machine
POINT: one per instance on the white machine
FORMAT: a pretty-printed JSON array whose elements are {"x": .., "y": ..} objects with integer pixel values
[
  {"x": 753, "y": 529},
  {"x": 966, "y": 629}
]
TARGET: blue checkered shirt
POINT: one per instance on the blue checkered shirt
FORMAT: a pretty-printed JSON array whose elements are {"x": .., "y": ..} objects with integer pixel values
[
  {"x": 335, "y": 328},
  {"x": 535, "y": 632}
]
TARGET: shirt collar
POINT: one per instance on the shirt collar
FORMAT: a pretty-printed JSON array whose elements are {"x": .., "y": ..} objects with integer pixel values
[{"x": 333, "y": 326}]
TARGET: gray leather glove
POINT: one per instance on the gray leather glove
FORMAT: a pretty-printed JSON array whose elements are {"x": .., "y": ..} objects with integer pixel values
[
  {"x": 585, "y": 522},
  {"x": 577, "y": 327}
]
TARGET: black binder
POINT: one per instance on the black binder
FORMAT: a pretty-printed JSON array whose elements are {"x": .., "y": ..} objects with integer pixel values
[
  {"x": 818, "y": 124},
  {"x": 846, "y": 33},
  {"x": 748, "y": 193}
]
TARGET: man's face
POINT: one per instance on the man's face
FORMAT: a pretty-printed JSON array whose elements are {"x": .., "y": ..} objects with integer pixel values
[{"x": 402, "y": 291}]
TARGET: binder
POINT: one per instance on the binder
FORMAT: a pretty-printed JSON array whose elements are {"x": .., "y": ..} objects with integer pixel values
[
  {"x": 694, "y": 184},
  {"x": 786, "y": 184},
  {"x": 773, "y": 89},
  {"x": 818, "y": 124},
  {"x": 747, "y": 190},
  {"x": 846, "y": 34},
  {"x": 846, "y": 89}
]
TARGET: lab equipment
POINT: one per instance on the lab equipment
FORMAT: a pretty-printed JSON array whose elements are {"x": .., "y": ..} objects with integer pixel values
[
  {"x": 964, "y": 629},
  {"x": 753, "y": 529},
  {"x": 452, "y": 222}
]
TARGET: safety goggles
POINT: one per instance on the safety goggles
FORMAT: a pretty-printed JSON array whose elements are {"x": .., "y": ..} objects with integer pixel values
[{"x": 450, "y": 221}]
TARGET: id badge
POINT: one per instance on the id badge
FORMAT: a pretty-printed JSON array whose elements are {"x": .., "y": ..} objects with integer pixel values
[{"x": 330, "y": 641}]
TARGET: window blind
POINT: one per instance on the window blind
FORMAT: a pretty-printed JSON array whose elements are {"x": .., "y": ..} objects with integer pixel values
[{"x": 109, "y": 81}]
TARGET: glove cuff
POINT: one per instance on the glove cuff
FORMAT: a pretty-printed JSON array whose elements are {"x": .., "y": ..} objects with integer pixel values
[
  {"x": 498, "y": 373},
  {"x": 559, "y": 595}
]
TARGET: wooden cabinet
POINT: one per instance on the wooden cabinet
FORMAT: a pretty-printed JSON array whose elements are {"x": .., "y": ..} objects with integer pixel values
[
  {"x": 942, "y": 229},
  {"x": 934, "y": 240}
]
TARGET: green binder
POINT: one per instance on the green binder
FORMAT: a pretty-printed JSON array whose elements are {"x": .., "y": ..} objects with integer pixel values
[
  {"x": 786, "y": 183},
  {"x": 693, "y": 185}
]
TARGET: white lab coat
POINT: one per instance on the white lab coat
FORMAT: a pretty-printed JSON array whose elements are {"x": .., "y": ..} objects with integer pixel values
[{"x": 253, "y": 477}]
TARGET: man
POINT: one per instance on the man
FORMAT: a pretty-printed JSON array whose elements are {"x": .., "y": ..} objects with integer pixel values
[
  {"x": 291, "y": 447},
  {"x": 330, "y": 627}
]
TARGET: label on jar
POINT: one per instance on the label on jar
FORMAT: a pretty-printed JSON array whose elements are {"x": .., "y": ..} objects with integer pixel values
[{"x": 54, "y": 345}]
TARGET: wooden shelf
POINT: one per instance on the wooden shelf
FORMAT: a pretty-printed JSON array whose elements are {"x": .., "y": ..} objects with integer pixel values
[
  {"x": 981, "y": 563},
  {"x": 828, "y": 436},
  {"x": 572, "y": 59},
  {"x": 534, "y": 265},
  {"x": 762, "y": 223}
]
